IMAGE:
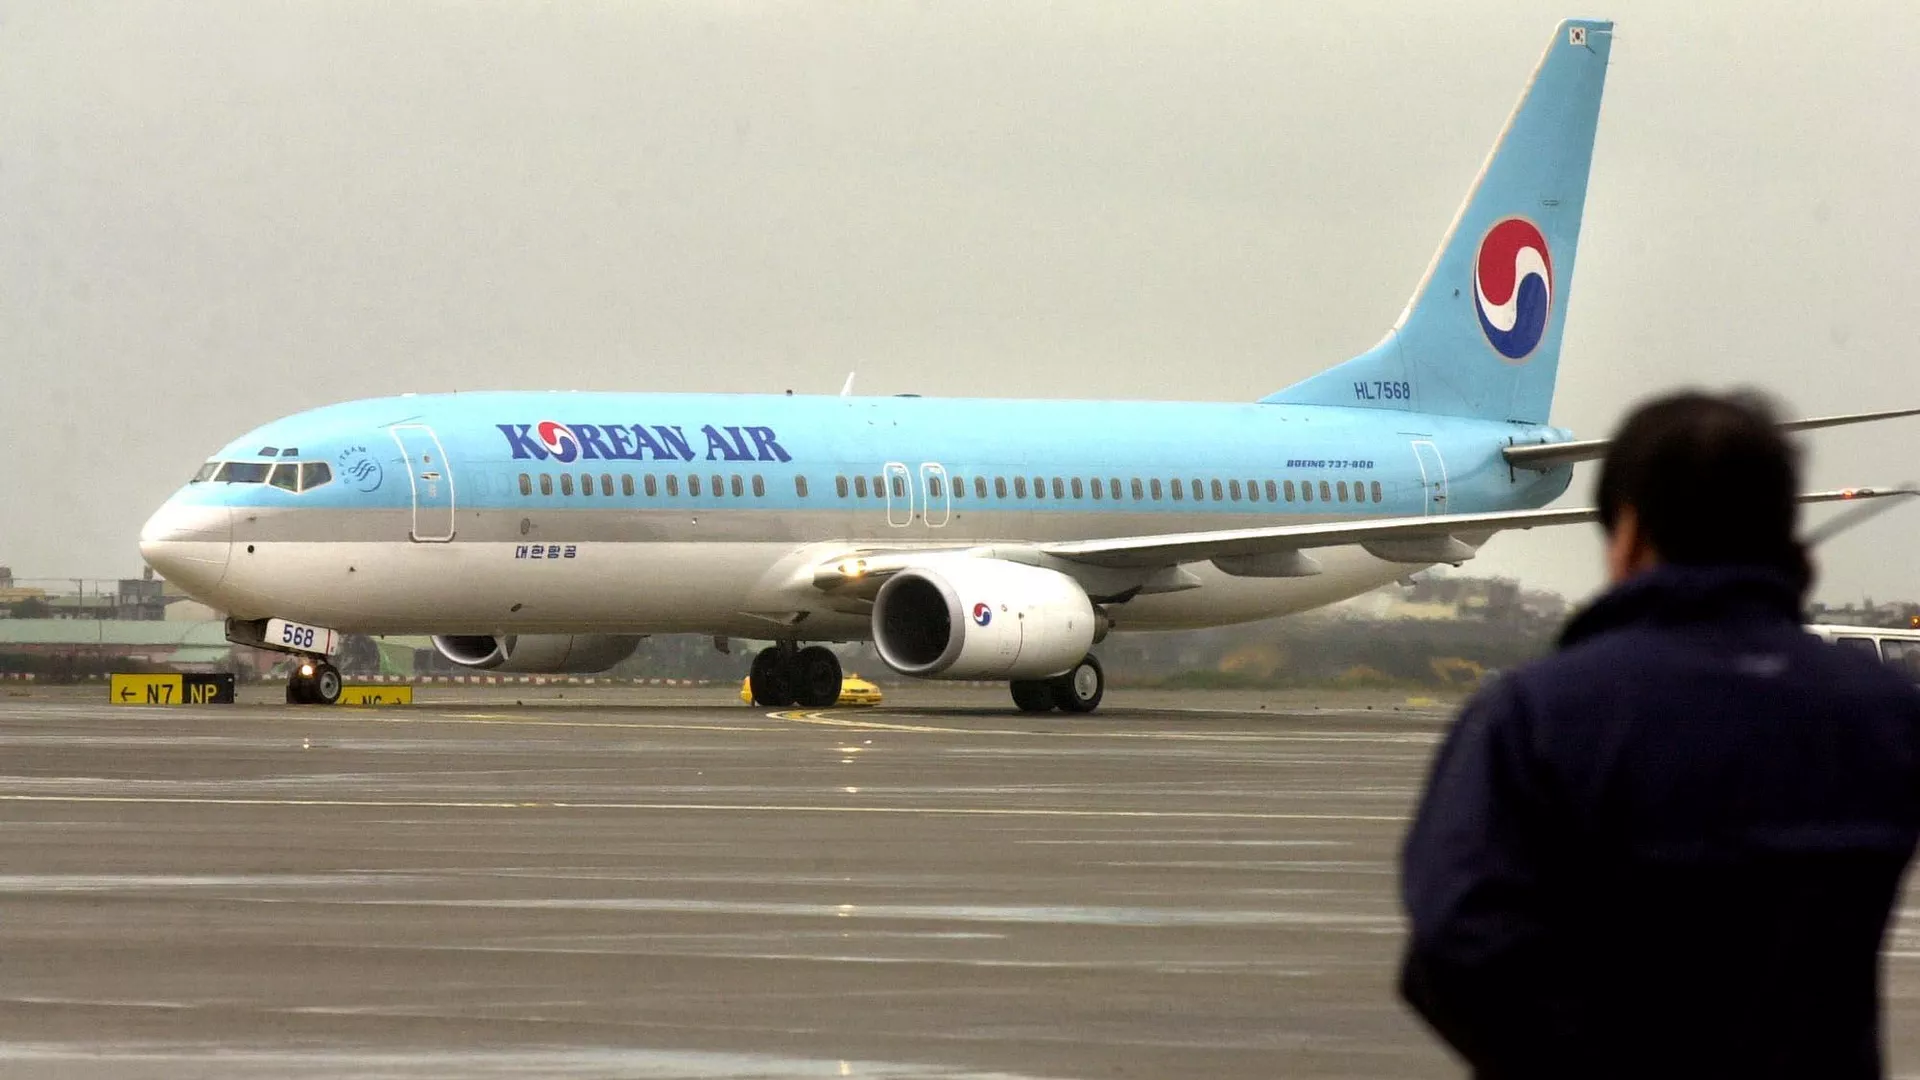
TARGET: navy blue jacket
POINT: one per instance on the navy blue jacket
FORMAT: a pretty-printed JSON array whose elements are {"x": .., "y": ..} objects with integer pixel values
[{"x": 1670, "y": 848}]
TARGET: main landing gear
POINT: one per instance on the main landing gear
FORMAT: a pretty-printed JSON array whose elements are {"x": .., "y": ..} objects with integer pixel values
[
  {"x": 1078, "y": 690},
  {"x": 314, "y": 682},
  {"x": 786, "y": 674}
]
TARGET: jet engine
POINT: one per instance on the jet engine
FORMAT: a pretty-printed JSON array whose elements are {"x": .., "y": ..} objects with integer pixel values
[
  {"x": 545, "y": 654},
  {"x": 967, "y": 618}
]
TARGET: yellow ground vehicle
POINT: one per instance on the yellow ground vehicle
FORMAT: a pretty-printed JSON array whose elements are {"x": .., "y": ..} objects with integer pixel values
[{"x": 854, "y": 690}]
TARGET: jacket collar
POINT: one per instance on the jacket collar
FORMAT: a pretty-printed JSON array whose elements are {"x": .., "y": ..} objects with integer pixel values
[{"x": 1667, "y": 595}]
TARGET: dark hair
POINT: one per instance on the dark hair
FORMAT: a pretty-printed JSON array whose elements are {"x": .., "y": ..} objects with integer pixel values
[{"x": 1711, "y": 479}]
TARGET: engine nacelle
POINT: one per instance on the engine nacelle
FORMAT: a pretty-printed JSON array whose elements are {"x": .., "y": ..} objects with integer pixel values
[
  {"x": 543, "y": 654},
  {"x": 967, "y": 618}
]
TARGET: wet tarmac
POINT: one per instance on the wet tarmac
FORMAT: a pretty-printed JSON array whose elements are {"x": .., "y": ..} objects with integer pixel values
[{"x": 632, "y": 883}]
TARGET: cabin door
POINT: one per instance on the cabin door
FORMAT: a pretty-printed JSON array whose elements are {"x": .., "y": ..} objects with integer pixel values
[{"x": 430, "y": 476}]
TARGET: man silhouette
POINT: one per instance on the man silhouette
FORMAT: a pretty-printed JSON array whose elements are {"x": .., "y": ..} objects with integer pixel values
[{"x": 1670, "y": 849}]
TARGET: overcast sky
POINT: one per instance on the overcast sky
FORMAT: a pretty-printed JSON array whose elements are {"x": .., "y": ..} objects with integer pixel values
[{"x": 215, "y": 213}]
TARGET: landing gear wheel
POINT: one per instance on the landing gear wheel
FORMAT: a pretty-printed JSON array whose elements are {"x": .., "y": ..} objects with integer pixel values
[
  {"x": 314, "y": 682},
  {"x": 771, "y": 679},
  {"x": 1080, "y": 690},
  {"x": 817, "y": 677},
  {"x": 327, "y": 684},
  {"x": 1032, "y": 695}
]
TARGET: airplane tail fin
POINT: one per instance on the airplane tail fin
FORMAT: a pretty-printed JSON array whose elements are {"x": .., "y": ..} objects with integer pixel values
[{"x": 1481, "y": 336}]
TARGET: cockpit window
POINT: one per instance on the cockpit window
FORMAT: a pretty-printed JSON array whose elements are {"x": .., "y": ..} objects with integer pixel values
[
  {"x": 286, "y": 476},
  {"x": 245, "y": 472},
  {"x": 206, "y": 473},
  {"x": 316, "y": 473}
]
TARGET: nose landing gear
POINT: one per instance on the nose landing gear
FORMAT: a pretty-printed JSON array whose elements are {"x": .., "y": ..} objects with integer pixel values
[{"x": 314, "y": 682}]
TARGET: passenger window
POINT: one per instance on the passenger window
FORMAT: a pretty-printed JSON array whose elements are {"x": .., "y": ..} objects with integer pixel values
[
  {"x": 1233, "y": 489},
  {"x": 1137, "y": 488},
  {"x": 1326, "y": 492},
  {"x": 1343, "y": 490},
  {"x": 206, "y": 473},
  {"x": 653, "y": 485},
  {"x": 1178, "y": 495},
  {"x": 1287, "y": 489},
  {"x": 799, "y": 486},
  {"x": 933, "y": 487},
  {"x": 740, "y": 486},
  {"x": 980, "y": 487},
  {"x": 1096, "y": 487},
  {"x": 1079, "y": 489},
  {"x": 1199, "y": 489},
  {"x": 1376, "y": 490},
  {"x": 1306, "y": 491},
  {"x": 999, "y": 487},
  {"x": 546, "y": 483},
  {"x": 1039, "y": 488},
  {"x": 1273, "y": 493},
  {"x": 286, "y": 476},
  {"x": 959, "y": 487},
  {"x": 693, "y": 483},
  {"x": 1359, "y": 491},
  {"x": 1902, "y": 656},
  {"x": 526, "y": 484},
  {"x": 606, "y": 484},
  {"x": 315, "y": 474},
  {"x": 586, "y": 483},
  {"x": 1113, "y": 488},
  {"x": 860, "y": 486},
  {"x": 1859, "y": 644},
  {"x": 1153, "y": 488},
  {"x": 899, "y": 487},
  {"x": 566, "y": 483},
  {"x": 673, "y": 483},
  {"x": 1059, "y": 489},
  {"x": 626, "y": 484},
  {"x": 1020, "y": 487},
  {"x": 719, "y": 485},
  {"x": 1216, "y": 491}
]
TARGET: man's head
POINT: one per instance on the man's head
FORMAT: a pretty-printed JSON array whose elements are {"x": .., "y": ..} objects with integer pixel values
[{"x": 1700, "y": 479}]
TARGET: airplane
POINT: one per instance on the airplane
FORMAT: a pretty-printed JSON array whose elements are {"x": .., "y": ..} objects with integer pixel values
[{"x": 977, "y": 539}]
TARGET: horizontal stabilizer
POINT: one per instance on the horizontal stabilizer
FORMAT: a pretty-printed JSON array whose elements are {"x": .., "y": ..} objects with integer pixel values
[{"x": 1548, "y": 455}]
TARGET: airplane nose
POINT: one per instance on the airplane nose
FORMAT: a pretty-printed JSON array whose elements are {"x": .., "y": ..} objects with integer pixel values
[{"x": 189, "y": 545}]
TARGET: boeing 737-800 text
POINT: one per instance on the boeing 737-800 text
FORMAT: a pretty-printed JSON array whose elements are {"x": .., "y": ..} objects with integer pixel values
[{"x": 969, "y": 539}]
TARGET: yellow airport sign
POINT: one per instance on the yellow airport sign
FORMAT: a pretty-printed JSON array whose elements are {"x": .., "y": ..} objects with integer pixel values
[
  {"x": 364, "y": 694},
  {"x": 170, "y": 689}
]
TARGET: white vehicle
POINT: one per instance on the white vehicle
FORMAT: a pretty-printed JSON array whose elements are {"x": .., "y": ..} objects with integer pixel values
[{"x": 1898, "y": 649}]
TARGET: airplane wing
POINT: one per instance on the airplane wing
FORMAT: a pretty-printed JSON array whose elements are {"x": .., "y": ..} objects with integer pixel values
[
  {"x": 1440, "y": 538},
  {"x": 1548, "y": 455},
  {"x": 1125, "y": 565}
]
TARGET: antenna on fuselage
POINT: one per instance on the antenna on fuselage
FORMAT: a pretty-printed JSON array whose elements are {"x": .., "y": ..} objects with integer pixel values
[{"x": 846, "y": 388}]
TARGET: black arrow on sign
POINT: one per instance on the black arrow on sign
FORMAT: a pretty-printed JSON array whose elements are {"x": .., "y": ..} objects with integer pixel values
[{"x": 126, "y": 693}]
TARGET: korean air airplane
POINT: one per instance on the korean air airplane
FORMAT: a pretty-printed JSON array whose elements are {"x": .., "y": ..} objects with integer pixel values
[{"x": 968, "y": 539}]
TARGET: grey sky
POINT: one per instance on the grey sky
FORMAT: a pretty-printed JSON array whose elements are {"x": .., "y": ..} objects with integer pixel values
[{"x": 216, "y": 213}]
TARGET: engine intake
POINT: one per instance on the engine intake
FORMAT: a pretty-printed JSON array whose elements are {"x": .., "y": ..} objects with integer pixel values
[
  {"x": 542, "y": 654},
  {"x": 968, "y": 618}
]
